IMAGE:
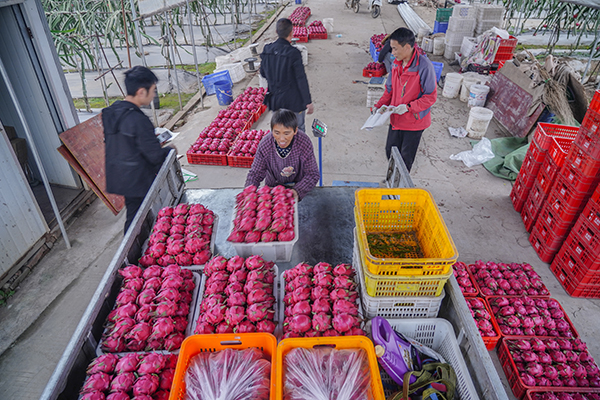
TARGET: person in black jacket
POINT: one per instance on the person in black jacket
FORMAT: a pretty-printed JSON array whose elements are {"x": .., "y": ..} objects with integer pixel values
[
  {"x": 133, "y": 153},
  {"x": 281, "y": 64}
]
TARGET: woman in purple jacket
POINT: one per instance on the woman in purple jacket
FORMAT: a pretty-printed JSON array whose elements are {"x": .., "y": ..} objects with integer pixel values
[{"x": 286, "y": 157}]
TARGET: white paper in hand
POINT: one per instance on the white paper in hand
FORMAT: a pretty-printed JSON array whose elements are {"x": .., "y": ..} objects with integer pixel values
[{"x": 379, "y": 118}]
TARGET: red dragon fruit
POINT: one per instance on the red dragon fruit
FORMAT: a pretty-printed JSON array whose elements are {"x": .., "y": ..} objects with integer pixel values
[
  {"x": 130, "y": 272},
  {"x": 181, "y": 323},
  {"x": 211, "y": 301},
  {"x": 215, "y": 287},
  {"x": 237, "y": 236},
  {"x": 319, "y": 292},
  {"x": 163, "y": 327},
  {"x": 236, "y": 299},
  {"x": 146, "y": 384},
  {"x": 238, "y": 276},
  {"x": 204, "y": 328},
  {"x": 145, "y": 313},
  {"x": 105, "y": 363},
  {"x": 184, "y": 259},
  {"x": 183, "y": 309},
  {"x": 268, "y": 236},
  {"x": 218, "y": 263},
  {"x": 93, "y": 395},
  {"x": 165, "y": 212},
  {"x": 344, "y": 322},
  {"x": 265, "y": 325},
  {"x": 134, "y": 284},
  {"x": 345, "y": 307},
  {"x": 235, "y": 263},
  {"x": 165, "y": 308},
  {"x": 259, "y": 296},
  {"x": 234, "y": 315},
  {"x": 224, "y": 327},
  {"x": 127, "y": 363},
  {"x": 197, "y": 209},
  {"x": 215, "y": 314},
  {"x": 323, "y": 279},
  {"x": 202, "y": 257},
  {"x": 234, "y": 287},
  {"x": 321, "y": 305},
  {"x": 286, "y": 236},
  {"x": 173, "y": 341},
  {"x": 99, "y": 381},
  {"x": 153, "y": 271},
  {"x": 255, "y": 285},
  {"x": 195, "y": 245},
  {"x": 259, "y": 311},
  {"x": 113, "y": 344},
  {"x": 322, "y": 267},
  {"x": 125, "y": 311},
  {"x": 147, "y": 260},
  {"x": 126, "y": 296},
  {"x": 166, "y": 378},
  {"x": 245, "y": 327},
  {"x": 121, "y": 327},
  {"x": 321, "y": 322},
  {"x": 152, "y": 363},
  {"x": 355, "y": 331},
  {"x": 343, "y": 269},
  {"x": 299, "y": 294},
  {"x": 140, "y": 332},
  {"x": 344, "y": 282},
  {"x": 122, "y": 382},
  {"x": 157, "y": 250},
  {"x": 300, "y": 323}
]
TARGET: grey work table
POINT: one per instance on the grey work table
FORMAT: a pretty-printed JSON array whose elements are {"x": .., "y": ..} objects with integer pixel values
[{"x": 326, "y": 223}]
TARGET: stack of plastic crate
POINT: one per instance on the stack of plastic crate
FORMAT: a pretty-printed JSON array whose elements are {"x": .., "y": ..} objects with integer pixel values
[
  {"x": 573, "y": 186},
  {"x": 442, "y": 15},
  {"x": 488, "y": 16},
  {"x": 408, "y": 287},
  {"x": 460, "y": 25},
  {"x": 560, "y": 138},
  {"x": 577, "y": 264}
]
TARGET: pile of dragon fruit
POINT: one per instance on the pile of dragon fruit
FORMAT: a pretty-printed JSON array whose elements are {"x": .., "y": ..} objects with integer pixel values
[
  {"x": 527, "y": 316},
  {"x": 464, "y": 279},
  {"x": 300, "y": 32},
  {"x": 264, "y": 215},
  {"x": 376, "y": 40},
  {"x": 376, "y": 67},
  {"x": 218, "y": 137},
  {"x": 564, "y": 396},
  {"x": 246, "y": 143},
  {"x": 559, "y": 362},
  {"x": 482, "y": 317},
  {"x": 300, "y": 15},
  {"x": 320, "y": 301},
  {"x": 238, "y": 296},
  {"x": 151, "y": 310},
  {"x": 316, "y": 27},
  {"x": 181, "y": 236},
  {"x": 507, "y": 279},
  {"x": 143, "y": 376}
]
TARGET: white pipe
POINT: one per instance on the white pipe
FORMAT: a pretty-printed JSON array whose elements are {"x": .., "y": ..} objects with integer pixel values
[{"x": 35, "y": 153}]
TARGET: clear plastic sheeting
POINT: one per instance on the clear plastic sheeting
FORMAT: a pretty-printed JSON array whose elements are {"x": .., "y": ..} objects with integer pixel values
[
  {"x": 229, "y": 375},
  {"x": 323, "y": 373},
  {"x": 412, "y": 20}
]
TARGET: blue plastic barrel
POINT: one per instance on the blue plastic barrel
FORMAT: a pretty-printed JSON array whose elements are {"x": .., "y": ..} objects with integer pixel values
[
  {"x": 298, "y": 1},
  {"x": 438, "y": 66},
  {"x": 224, "y": 92}
]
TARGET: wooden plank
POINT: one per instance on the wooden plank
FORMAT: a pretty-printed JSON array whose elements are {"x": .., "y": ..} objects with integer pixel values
[{"x": 85, "y": 143}]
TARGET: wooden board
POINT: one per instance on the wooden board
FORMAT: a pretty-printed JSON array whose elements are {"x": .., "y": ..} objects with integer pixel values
[
  {"x": 510, "y": 99},
  {"x": 84, "y": 150}
]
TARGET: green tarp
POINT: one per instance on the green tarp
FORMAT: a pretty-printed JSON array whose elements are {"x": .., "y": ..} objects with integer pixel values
[{"x": 509, "y": 155}]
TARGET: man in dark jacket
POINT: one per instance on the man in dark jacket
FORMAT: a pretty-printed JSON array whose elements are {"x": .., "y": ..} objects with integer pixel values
[
  {"x": 133, "y": 153},
  {"x": 281, "y": 64}
]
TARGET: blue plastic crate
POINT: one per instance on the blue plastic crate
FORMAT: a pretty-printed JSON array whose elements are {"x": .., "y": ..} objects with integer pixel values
[
  {"x": 209, "y": 81},
  {"x": 374, "y": 52},
  {"x": 440, "y": 27},
  {"x": 438, "y": 66}
]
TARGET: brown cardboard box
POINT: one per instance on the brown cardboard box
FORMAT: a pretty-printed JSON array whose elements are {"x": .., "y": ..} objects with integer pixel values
[
  {"x": 10, "y": 132},
  {"x": 20, "y": 147}
]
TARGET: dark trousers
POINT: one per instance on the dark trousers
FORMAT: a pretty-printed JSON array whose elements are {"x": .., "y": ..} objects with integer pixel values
[
  {"x": 133, "y": 205},
  {"x": 407, "y": 143}
]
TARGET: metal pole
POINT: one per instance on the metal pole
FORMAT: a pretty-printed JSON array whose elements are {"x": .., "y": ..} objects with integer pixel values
[
  {"x": 141, "y": 50},
  {"x": 126, "y": 34},
  {"x": 320, "y": 163},
  {"x": 172, "y": 48},
  {"x": 587, "y": 67},
  {"x": 36, "y": 155},
  {"x": 194, "y": 51}
]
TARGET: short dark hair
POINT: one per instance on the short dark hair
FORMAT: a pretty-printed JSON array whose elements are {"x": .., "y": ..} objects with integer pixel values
[
  {"x": 139, "y": 77},
  {"x": 284, "y": 117},
  {"x": 284, "y": 27},
  {"x": 403, "y": 36}
]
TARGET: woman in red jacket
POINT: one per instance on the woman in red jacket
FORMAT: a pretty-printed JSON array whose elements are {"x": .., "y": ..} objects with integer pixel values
[{"x": 411, "y": 88}]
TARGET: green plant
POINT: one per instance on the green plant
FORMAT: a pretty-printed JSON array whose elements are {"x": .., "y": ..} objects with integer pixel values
[{"x": 5, "y": 295}]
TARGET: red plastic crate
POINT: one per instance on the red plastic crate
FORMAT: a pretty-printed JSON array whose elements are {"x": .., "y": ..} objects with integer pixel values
[
  {"x": 586, "y": 164},
  {"x": 531, "y": 393},
  {"x": 545, "y": 243},
  {"x": 519, "y": 193},
  {"x": 577, "y": 181},
  {"x": 367, "y": 73},
  {"x": 581, "y": 289},
  {"x": 302, "y": 39},
  {"x": 591, "y": 121},
  {"x": 546, "y": 175},
  {"x": 567, "y": 266},
  {"x": 537, "y": 153},
  {"x": 595, "y": 103},
  {"x": 545, "y": 132},
  {"x": 490, "y": 342},
  {"x": 565, "y": 195},
  {"x": 505, "y": 49},
  {"x": 591, "y": 213},
  {"x": 313, "y": 36},
  {"x": 532, "y": 206},
  {"x": 560, "y": 220},
  {"x": 473, "y": 284},
  {"x": 528, "y": 217},
  {"x": 239, "y": 161},
  {"x": 584, "y": 243},
  {"x": 559, "y": 149},
  {"x": 207, "y": 159},
  {"x": 589, "y": 141}
]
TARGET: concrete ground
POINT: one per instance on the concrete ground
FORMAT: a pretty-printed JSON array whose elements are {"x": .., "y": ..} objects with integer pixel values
[{"x": 41, "y": 316}]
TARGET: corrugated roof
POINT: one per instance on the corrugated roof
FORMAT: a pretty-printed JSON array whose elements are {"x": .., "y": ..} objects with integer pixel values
[{"x": 586, "y": 3}]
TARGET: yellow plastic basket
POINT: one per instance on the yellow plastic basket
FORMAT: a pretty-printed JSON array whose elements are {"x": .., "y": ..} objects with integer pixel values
[{"x": 401, "y": 210}]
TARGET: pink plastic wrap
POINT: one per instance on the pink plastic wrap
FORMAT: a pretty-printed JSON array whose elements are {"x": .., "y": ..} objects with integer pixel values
[
  {"x": 326, "y": 374},
  {"x": 228, "y": 375}
]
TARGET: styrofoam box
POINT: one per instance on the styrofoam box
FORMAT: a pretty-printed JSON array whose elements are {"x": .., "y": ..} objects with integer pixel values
[
  {"x": 393, "y": 307},
  {"x": 438, "y": 334},
  {"x": 189, "y": 330},
  {"x": 455, "y": 39},
  {"x": 460, "y": 25},
  {"x": 271, "y": 251},
  {"x": 278, "y": 329}
]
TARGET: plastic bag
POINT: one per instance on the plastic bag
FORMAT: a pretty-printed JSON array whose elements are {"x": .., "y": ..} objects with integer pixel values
[
  {"x": 481, "y": 153},
  {"x": 228, "y": 375},
  {"x": 378, "y": 118},
  {"x": 327, "y": 374}
]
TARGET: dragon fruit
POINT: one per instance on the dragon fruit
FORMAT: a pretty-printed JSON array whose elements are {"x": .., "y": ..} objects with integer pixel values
[
  {"x": 93, "y": 395},
  {"x": 321, "y": 322},
  {"x": 265, "y": 326},
  {"x": 323, "y": 279},
  {"x": 146, "y": 384},
  {"x": 300, "y": 323},
  {"x": 238, "y": 276},
  {"x": 105, "y": 363},
  {"x": 343, "y": 270},
  {"x": 260, "y": 295},
  {"x": 321, "y": 305},
  {"x": 286, "y": 235},
  {"x": 99, "y": 381},
  {"x": 140, "y": 332},
  {"x": 134, "y": 284},
  {"x": 151, "y": 363},
  {"x": 204, "y": 328},
  {"x": 224, "y": 327},
  {"x": 255, "y": 285},
  {"x": 236, "y": 299},
  {"x": 534, "y": 369},
  {"x": 245, "y": 327},
  {"x": 259, "y": 311},
  {"x": 122, "y": 382},
  {"x": 344, "y": 282},
  {"x": 233, "y": 316},
  {"x": 125, "y": 311},
  {"x": 163, "y": 327},
  {"x": 166, "y": 378},
  {"x": 127, "y": 363},
  {"x": 126, "y": 296},
  {"x": 173, "y": 341},
  {"x": 344, "y": 322},
  {"x": 319, "y": 292},
  {"x": 300, "y": 294},
  {"x": 345, "y": 307}
]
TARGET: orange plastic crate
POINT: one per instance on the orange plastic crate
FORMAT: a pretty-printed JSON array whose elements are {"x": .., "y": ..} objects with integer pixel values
[
  {"x": 196, "y": 344},
  {"x": 339, "y": 342}
]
